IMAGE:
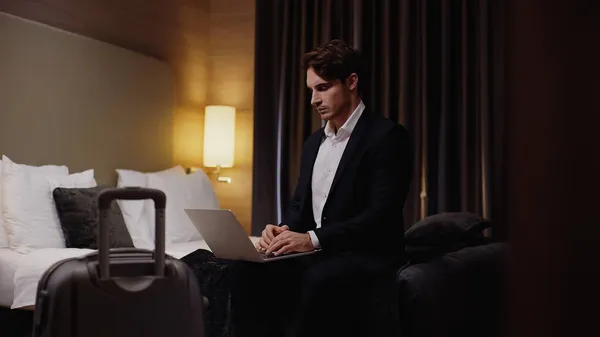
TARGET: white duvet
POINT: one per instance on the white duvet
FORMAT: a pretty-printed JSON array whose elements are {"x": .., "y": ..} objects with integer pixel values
[{"x": 34, "y": 264}]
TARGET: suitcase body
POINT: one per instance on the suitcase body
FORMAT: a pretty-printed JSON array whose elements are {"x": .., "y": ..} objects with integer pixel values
[{"x": 120, "y": 292}]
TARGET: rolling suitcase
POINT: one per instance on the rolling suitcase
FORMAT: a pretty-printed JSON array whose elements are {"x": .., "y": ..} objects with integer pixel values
[{"x": 124, "y": 292}]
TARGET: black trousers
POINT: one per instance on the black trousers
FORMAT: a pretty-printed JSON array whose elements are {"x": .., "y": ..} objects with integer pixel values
[{"x": 316, "y": 295}]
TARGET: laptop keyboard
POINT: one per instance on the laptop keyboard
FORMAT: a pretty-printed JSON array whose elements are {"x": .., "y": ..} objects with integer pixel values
[
  {"x": 265, "y": 256},
  {"x": 270, "y": 256}
]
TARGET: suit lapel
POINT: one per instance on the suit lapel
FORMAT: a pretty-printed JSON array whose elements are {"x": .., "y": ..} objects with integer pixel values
[
  {"x": 355, "y": 139},
  {"x": 312, "y": 148}
]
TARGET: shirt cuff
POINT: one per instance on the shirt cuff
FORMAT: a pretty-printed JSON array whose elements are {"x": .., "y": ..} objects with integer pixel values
[{"x": 314, "y": 239}]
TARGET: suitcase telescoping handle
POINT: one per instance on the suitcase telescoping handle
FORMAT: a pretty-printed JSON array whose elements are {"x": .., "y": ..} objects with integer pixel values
[{"x": 105, "y": 198}]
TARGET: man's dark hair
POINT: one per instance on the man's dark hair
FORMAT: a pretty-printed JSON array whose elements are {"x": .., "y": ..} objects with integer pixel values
[{"x": 334, "y": 60}]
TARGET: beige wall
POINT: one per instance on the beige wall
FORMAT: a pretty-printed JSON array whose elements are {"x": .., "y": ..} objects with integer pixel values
[{"x": 71, "y": 100}]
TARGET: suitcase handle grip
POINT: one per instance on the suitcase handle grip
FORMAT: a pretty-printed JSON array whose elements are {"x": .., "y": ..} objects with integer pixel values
[
  {"x": 131, "y": 193},
  {"x": 105, "y": 198}
]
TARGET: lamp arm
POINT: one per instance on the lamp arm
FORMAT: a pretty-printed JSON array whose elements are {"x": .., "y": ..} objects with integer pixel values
[{"x": 218, "y": 175}]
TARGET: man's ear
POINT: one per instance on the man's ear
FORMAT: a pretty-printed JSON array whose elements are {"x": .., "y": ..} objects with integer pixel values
[{"x": 352, "y": 81}]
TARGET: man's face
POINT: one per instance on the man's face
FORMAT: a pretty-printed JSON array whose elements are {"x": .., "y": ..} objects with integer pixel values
[{"x": 330, "y": 98}]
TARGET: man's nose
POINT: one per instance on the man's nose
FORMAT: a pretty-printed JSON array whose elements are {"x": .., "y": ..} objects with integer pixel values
[{"x": 315, "y": 98}]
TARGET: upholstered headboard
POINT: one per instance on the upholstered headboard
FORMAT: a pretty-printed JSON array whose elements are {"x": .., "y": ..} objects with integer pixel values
[{"x": 70, "y": 100}]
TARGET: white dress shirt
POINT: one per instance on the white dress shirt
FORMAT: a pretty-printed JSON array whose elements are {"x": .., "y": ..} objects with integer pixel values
[{"x": 326, "y": 164}]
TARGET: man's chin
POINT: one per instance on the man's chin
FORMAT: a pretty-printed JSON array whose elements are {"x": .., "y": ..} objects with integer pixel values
[{"x": 326, "y": 116}]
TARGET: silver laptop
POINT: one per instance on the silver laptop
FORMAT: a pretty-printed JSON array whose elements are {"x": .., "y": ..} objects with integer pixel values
[{"x": 226, "y": 237}]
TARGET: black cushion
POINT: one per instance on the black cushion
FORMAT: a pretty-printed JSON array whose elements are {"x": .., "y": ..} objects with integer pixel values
[
  {"x": 77, "y": 211},
  {"x": 457, "y": 294},
  {"x": 445, "y": 232}
]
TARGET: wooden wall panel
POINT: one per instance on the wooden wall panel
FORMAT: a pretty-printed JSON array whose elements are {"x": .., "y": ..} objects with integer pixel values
[
  {"x": 175, "y": 31},
  {"x": 231, "y": 58},
  {"x": 231, "y": 74},
  {"x": 118, "y": 23}
]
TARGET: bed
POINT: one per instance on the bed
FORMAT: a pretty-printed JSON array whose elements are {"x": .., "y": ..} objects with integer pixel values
[
  {"x": 30, "y": 269},
  {"x": 57, "y": 219},
  {"x": 109, "y": 124},
  {"x": 19, "y": 274},
  {"x": 9, "y": 263}
]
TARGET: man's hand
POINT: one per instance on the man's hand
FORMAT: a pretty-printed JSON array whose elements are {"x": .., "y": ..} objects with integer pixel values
[
  {"x": 268, "y": 234},
  {"x": 288, "y": 242}
]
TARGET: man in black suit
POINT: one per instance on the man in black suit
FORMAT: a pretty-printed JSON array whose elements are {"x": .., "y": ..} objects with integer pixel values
[{"x": 349, "y": 200}]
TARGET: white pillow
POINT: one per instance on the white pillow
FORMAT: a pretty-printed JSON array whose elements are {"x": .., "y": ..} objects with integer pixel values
[
  {"x": 46, "y": 169},
  {"x": 132, "y": 209},
  {"x": 190, "y": 191},
  {"x": 29, "y": 212}
]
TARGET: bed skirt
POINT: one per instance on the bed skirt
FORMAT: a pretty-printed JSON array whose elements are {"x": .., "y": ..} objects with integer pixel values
[{"x": 15, "y": 322}]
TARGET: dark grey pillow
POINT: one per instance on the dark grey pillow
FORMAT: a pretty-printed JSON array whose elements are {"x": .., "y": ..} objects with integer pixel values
[
  {"x": 77, "y": 211},
  {"x": 445, "y": 232}
]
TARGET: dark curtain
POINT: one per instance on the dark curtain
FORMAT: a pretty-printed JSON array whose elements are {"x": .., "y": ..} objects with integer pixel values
[{"x": 433, "y": 66}]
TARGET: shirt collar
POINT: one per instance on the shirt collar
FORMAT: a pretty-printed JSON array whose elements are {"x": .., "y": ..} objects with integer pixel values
[{"x": 348, "y": 126}]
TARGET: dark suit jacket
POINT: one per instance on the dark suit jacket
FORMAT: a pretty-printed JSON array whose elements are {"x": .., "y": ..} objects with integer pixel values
[{"x": 364, "y": 210}]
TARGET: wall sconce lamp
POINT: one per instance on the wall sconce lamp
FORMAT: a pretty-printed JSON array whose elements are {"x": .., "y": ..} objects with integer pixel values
[{"x": 219, "y": 139}]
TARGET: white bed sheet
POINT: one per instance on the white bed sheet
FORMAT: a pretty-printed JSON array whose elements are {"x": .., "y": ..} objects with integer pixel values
[
  {"x": 33, "y": 265},
  {"x": 31, "y": 268},
  {"x": 9, "y": 262}
]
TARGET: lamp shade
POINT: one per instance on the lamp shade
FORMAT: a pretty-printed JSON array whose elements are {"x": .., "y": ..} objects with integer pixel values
[{"x": 219, "y": 136}]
